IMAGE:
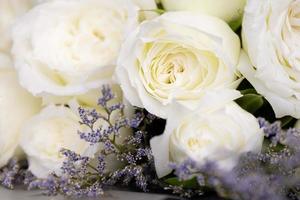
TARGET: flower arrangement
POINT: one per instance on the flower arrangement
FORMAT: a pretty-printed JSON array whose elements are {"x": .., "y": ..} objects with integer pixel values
[{"x": 189, "y": 98}]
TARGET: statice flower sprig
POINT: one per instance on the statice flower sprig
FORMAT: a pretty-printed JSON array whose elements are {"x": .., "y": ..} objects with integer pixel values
[
  {"x": 82, "y": 177},
  {"x": 106, "y": 135},
  {"x": 85, "y": 177}
]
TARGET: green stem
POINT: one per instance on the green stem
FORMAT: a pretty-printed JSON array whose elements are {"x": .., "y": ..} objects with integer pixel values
[{"x": 92, "y": 167}]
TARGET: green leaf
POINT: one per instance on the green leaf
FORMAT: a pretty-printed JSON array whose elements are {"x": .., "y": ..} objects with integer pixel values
[
  {"x": 286, "y": 120},
  {"x": 248, "y": 91},
  {"x": 190, "y": 184},
  {"x": 251, "y": 102}
]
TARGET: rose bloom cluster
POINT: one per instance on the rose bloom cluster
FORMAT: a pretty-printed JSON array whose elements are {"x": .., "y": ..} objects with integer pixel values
[{"x": 183, "y": 66}]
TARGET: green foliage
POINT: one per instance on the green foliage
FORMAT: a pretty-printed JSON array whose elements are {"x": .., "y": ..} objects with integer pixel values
[
  {"x": 191, "y": 183},
  {"x": 251, "y": 102}
]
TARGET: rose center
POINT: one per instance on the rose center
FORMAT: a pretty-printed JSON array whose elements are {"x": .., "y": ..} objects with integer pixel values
[{"x": 171, "y": 72}]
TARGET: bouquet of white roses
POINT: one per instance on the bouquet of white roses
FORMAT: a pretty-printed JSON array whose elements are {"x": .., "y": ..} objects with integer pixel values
[{"x": 190, "y": 97}]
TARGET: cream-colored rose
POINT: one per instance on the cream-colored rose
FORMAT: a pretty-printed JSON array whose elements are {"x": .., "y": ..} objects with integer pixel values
[
  {"x": 17, "y": 106},
  {"x": 10, "y": 10},
  {"x": 272, "y": 39},
  {"x": 179, "y": 57},
  {"x": 220, "y": 136},
  {"x": 67, "y": 47},
  {"x": 46, "y": 134},
  {"x": 228, "y": 10}
]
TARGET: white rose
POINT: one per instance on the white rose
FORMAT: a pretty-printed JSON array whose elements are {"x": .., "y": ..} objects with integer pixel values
[
  {"x": 9, "y": 11},
  {"x": 179, "y": 57},
  {"x": 228, "y": 10},
  {"x": 46, "y": 134},
  {"x": 16, "y": 106},
  {"x": 220, "y": 136},
  {"x": 271, "y": 37},
  {"x": 66, "y": 47}
]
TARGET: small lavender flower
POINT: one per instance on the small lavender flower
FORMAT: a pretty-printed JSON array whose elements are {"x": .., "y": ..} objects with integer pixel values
[
  {"x": 142, "y": 153},
  {"x": 88, "y": 117},
  {"x": 270, "y": 130},
  {"x": 107, "y": 95},
  {"x": 109, "y": 147},
  {"x": 101, "y": 164},
  {"x": 93, "y": 137},
  {"x": 119, "y": 106},
  {"x": 74, "y": 164},
  {"x": 136, "y": 138},
  {"x": 9, "y": 174},
  {"x": 137, "y": 119},
  {"x": 183, "y": 171}
]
